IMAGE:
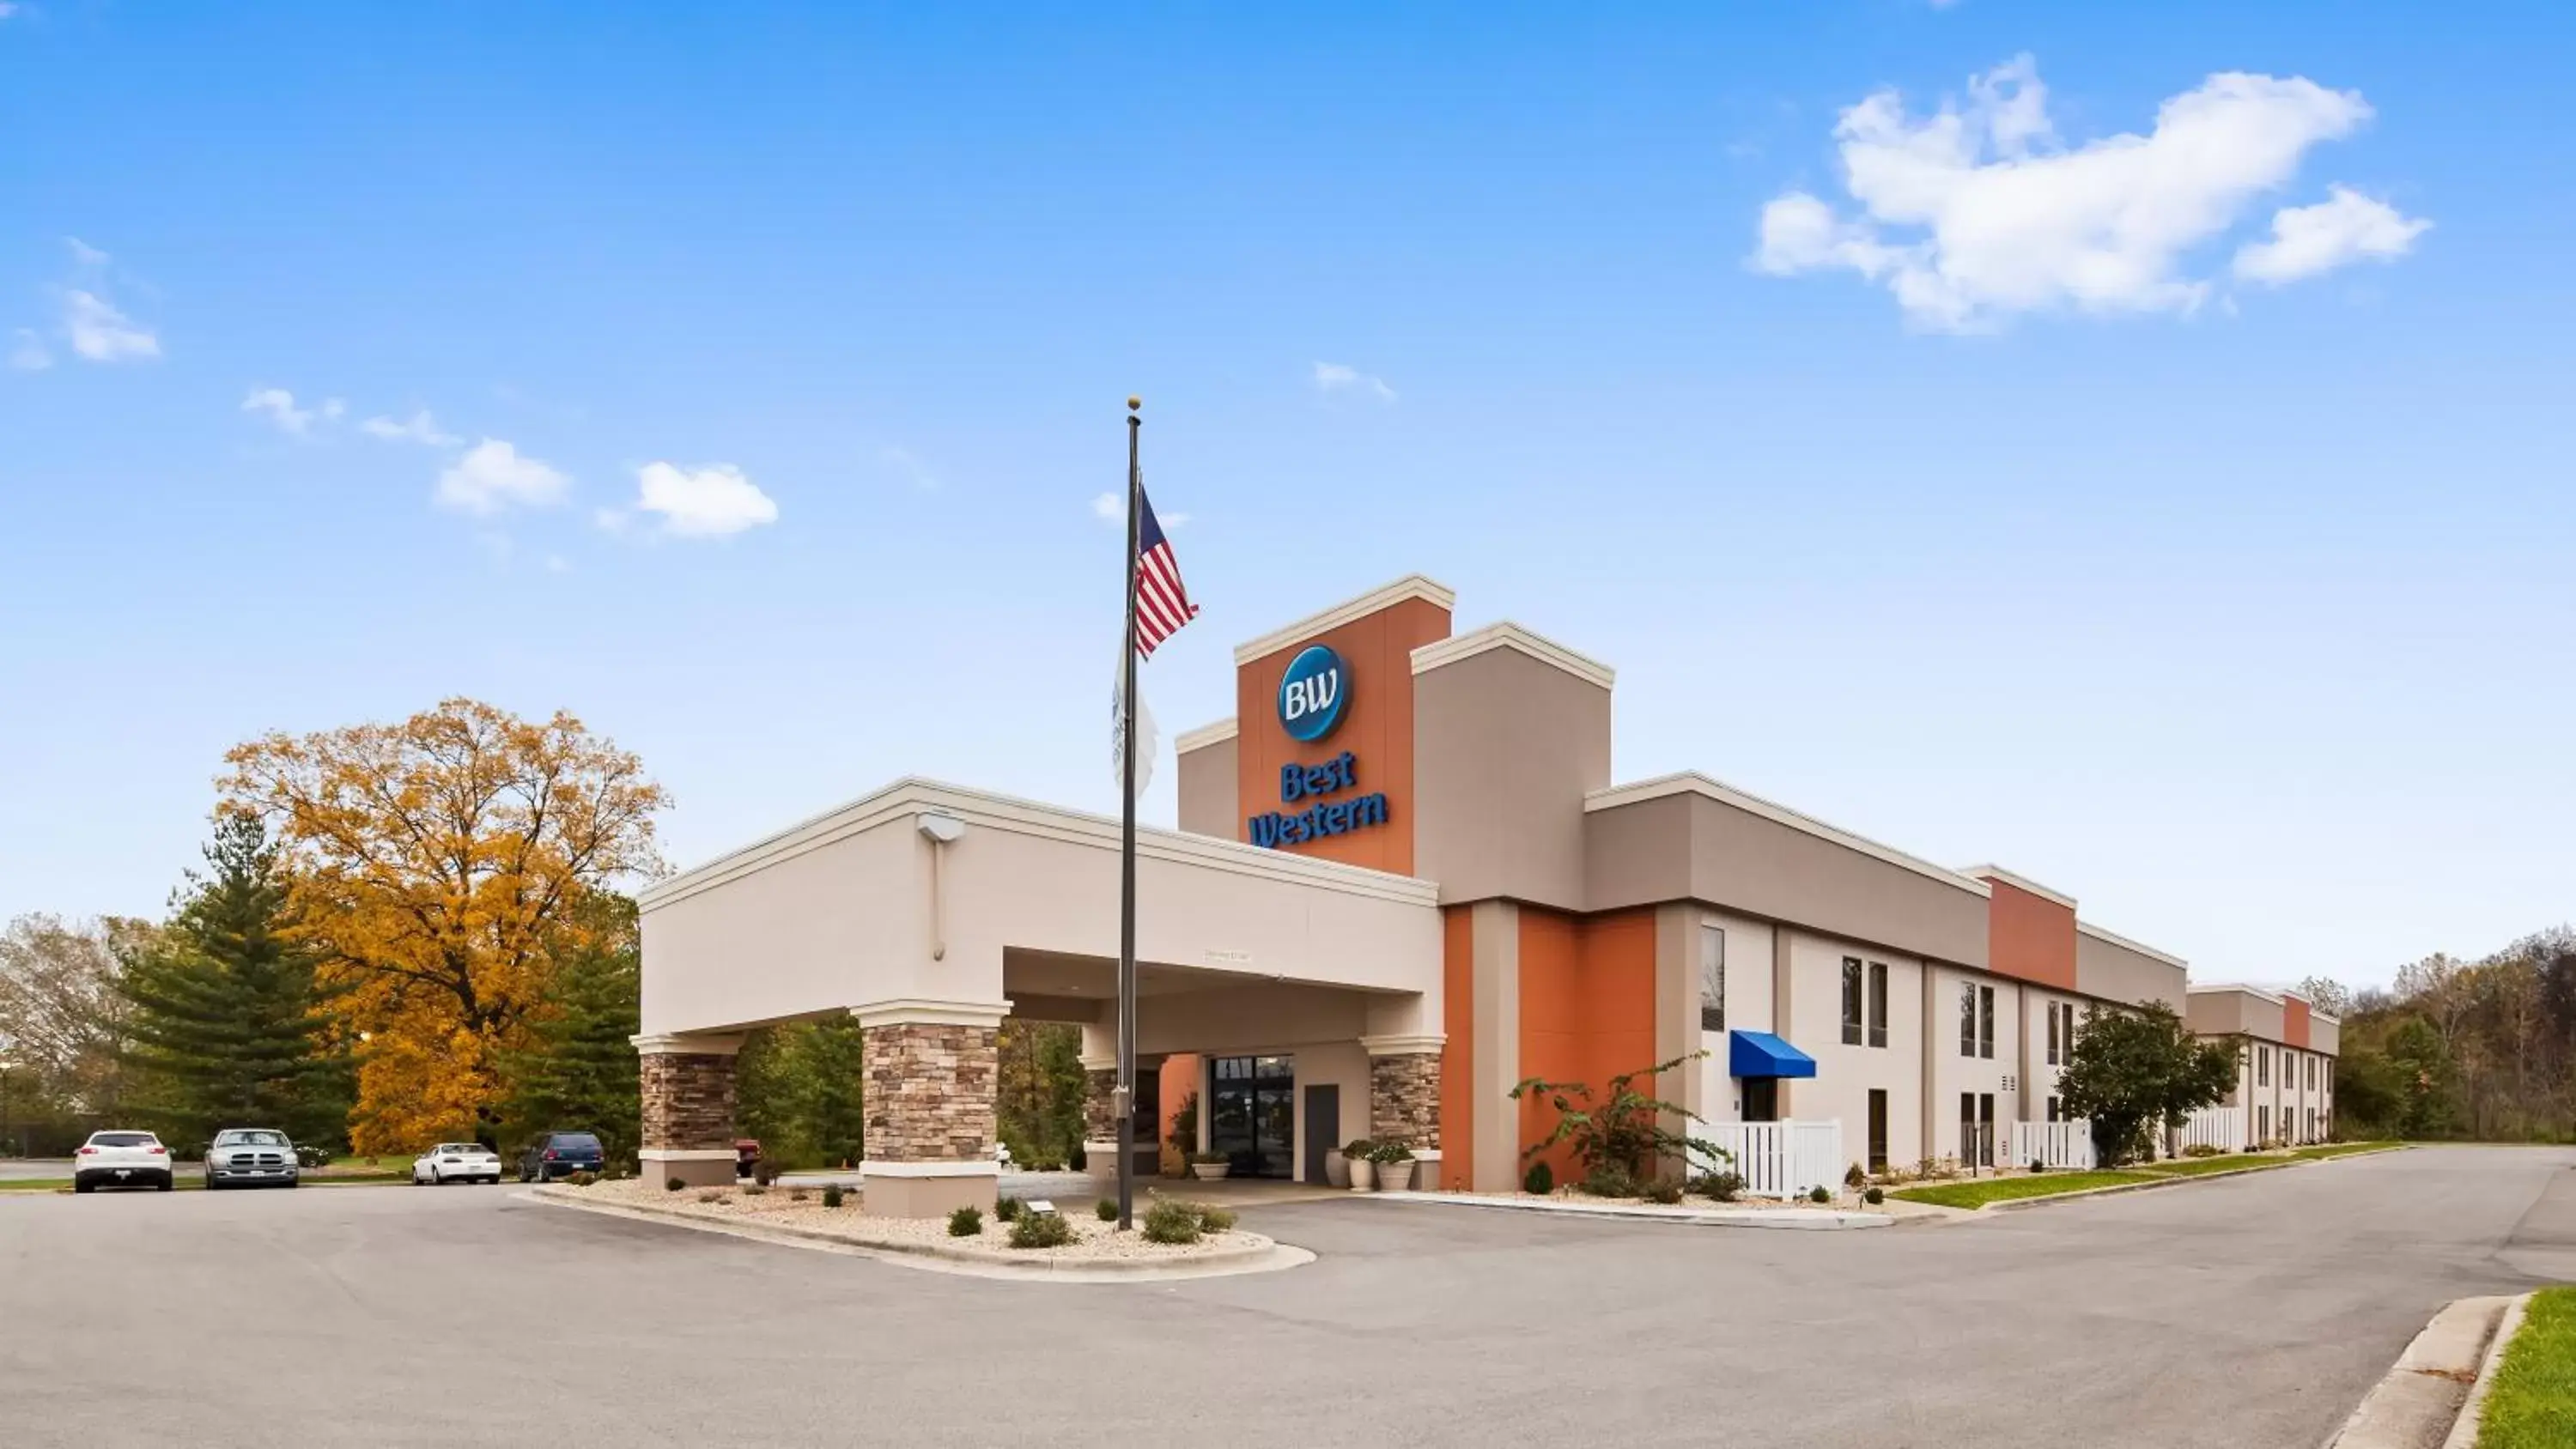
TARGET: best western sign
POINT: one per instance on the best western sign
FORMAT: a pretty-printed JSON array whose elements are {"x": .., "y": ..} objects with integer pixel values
[{"x": 1312, "y": 696}]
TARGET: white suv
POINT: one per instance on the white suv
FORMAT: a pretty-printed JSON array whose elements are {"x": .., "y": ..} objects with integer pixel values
[{"x": 121, "y": 1159}]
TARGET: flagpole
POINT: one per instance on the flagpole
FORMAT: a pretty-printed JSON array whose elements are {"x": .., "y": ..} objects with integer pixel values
[{"x": 1126, "y": 1093}]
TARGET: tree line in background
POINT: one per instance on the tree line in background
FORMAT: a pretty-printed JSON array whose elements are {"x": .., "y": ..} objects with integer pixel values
[
  {"x": 412, "y": 933},
  {"x": 2482, "y": 1049}
]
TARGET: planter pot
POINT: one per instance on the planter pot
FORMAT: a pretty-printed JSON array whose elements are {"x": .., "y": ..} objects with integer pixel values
[
  {"x": 1394, "y": 1176},
  {"x": 1363, "y": 1175},
  {"x": 1210, "y": 1171},
  {"x": 1337, "y": 1170}
]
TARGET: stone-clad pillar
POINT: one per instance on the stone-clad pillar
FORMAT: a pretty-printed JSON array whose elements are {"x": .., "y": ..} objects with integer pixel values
[
  {"x": 1404, "y": 1098},
  {"x": 687, "y": 1108},
  {"x": 931, "y": 1069}
]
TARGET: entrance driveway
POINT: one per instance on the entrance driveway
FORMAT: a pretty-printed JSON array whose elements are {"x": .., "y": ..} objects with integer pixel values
[{"x": 2249, "y": 1313}]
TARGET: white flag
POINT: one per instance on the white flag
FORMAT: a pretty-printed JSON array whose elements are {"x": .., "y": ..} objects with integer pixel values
[{"x": 1146, "y": 737}]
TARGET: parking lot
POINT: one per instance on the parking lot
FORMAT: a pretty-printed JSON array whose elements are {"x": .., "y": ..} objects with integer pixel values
[{"x": 2248, "y": 1312}]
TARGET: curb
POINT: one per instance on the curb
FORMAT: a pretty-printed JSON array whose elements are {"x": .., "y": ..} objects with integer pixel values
[
  {"x": 2473, "y": 1412},
  {"x": 1811, "y": 1220},
  {"x": 2418, "y": 1402},
  {"x": 1263, "y": 1256},
  {"x": 2161, "y": 1180}
]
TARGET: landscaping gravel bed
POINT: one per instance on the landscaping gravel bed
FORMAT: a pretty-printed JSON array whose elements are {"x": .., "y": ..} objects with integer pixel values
[{"x": 1094, "y": 1241}]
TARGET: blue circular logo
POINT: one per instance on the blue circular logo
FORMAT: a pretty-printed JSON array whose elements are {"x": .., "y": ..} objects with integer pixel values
[{"x": 1312, "y": 693}]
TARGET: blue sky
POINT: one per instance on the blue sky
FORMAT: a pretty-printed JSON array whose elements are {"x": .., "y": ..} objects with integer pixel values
[{"x": 1988, "y": 485}]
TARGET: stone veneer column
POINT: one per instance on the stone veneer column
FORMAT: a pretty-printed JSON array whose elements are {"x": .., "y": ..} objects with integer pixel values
[
  {"x": 686, "y": 1084},
  {"x": 1404, "y": 1098},
  {"x": 1099, "y": 1114},
  {"x": 930, "y": 1069}
]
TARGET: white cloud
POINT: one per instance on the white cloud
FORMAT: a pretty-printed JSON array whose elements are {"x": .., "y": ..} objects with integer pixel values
[
  {"x": 557, "y": 564},
  {"x": 278, "y": 406},
  {"x": 2307, "y": 240},
  {"x": 100, "y": 333},
  {"x": 27, "y": 351},
  {"x": 85, "y": 256},
  {"x": 492, "y": 476},
  {"x": 1110, "y": 507},
  {"x": 914, "y": 471},
  {"x": 418, "y": 428},
  {"x": 703, "y": 502},
  {"x": 7, "y": 9},
  {"x": 1975, "y": 214},
  {"x": 1339, "y": 377}
]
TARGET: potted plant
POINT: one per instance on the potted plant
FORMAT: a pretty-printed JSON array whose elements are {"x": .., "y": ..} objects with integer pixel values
[
  {"x": 1355, "y": 1156},
  {"x": 1337, "y": 1167},
  {"x": 1210, "y": 1166},
  {"x": 1394, "y": 1164}
]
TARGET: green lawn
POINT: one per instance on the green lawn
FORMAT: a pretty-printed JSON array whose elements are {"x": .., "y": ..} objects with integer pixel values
[
  {"x": 2203, "y": 1166},
  {"x": 1982, "y": 1191},
  {"x": 2532, "y": 1404}
]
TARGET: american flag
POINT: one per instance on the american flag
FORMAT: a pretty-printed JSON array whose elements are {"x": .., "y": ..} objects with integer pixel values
[{"x": 1162, "y": 603}]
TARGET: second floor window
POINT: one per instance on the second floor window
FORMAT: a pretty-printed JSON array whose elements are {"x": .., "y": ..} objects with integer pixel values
[
  {"x": 2262, "y": 1066},
  {"x": 1851, "y": 1001},
  {"x": 1878, "y": 1003},
  {"x": 1712, "y": 979},
  {"x": 1976, "y": 1020}
]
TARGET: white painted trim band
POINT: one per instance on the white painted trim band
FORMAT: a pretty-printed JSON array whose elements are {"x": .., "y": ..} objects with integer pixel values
[
  {"x": 2125, "y": 944},
  {"x": 924, "y": 1011},
  {"x": 1411, "y": 586},
  {"x": 686, "y": 1154},
  {"x": 873, "y": 1168},
  {"x": 1694, "y": 783},
  {"x": 1508, "y": 635},
  {"x": 1203, "y": 736},
  {"x": 2022, "y": 882},
  {"x": 681, "y": 1043},
  {"x": 1403, "y": 1044}
]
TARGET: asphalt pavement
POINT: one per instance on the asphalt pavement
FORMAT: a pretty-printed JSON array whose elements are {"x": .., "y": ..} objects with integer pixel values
[{"x": 2251, "y": 1313}]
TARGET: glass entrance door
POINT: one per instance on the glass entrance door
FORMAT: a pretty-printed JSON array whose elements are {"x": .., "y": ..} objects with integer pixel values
[{"x": 1253, "y": 1114}]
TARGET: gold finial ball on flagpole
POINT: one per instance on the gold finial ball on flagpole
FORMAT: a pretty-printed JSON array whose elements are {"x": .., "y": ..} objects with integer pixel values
[{"x": 1134, "y": 402}]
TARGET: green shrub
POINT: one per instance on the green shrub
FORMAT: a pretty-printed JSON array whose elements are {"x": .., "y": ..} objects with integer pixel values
[
  {"x": 1853, "y": 1176},
  {"x": 832, "y": 1195},
  {"x": 1105, "y": 1210},
  {"x": 755, "y": 1190},
  {"x": 1081, "y": 1160},
  {"x": 797, "y": 1194},
  {"x": 1609, "y": 1180},
  {"x": 966, "y": 1222},
  {"x": 1383, "y": 1153},
  {"x": 765, "y": 1171},
  {"x": 2038, "y": 1166},
  {"x": 1040, "y": 1230},
  {"x": 1666, "y": 1193},
  {"x": 713, "y": 1194},
  {"x": 581, "y": 1179},
  {"x": 1007, "y": 1209},
  {"x": 2200, "y": 1149},
  {"x": 1719, "y": 1186},
  {"x": 672, "y": 1184},
  {"x": 1819, "y": 1194},
  {"x": 1171, "y": 1222},
  {"x": 1539, "y": 1181},
  {"x": 1357, "y": 1149},
  {"x": 1214, "y": 1219},
  {"x": 1874, "y": 1196}
]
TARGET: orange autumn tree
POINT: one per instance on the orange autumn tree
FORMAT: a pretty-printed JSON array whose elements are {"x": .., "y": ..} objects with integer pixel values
[{"x": 440, "y": 864}]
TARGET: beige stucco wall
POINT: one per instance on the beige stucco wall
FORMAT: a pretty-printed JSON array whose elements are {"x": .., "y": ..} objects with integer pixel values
[
  {"x": 1845, "y": 1074},
  {"x": 2116, "y": 972},
  {"x": 1207, "y": 789},
  {"x": 2234, "y": 1012},
  {"x": 1953, "y": 1073},
  {"x": 1691, "y": 846},
  {"x": 838, "y": 913},
  {"x": 1506, "y": 745}
]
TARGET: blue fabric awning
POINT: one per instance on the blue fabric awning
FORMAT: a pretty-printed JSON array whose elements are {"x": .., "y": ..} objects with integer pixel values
[{"x": 1760, "y": 1054}]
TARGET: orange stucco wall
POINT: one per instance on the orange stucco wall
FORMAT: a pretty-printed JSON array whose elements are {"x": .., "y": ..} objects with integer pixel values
[
  {"x": 1376, "y": 726},
  {"x": 1587, "y": 1010},
  {"x": 1179, "y": 1080},
  {"x": 1458, "y": 1053},
  {"x": 2030, "y": 937},
  {"x": 2294, "y": 1022}
]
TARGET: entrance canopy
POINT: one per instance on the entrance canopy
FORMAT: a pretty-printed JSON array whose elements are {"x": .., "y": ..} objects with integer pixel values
[{"x": 1760, "y": 1054}]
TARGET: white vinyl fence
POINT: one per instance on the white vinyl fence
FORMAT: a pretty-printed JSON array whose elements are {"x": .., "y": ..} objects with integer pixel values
[
  {"x": 1781, "y": 1159},
  {"x": 2219, "y": 1127},
  {"x": 2056, "y": 1144}
]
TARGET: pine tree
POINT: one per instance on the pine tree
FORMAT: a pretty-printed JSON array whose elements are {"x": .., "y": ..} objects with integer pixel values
[
  {"x": 577, "y": 1070},
  {"x": 229, "y": 1027}
]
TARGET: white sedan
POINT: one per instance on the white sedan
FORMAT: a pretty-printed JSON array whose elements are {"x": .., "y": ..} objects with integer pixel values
[{"x": 456, "y": 1162}]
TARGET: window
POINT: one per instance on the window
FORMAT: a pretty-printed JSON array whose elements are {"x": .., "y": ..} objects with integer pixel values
[
  {"x": 1967, "y": 1018},
  {"x": 1851, "y": 1001},
  {"x": 2263, "y": 1124},
  {"x": 1986, "y": 1022},
  {"x": 1712, "y": 979},
  {"x": 2262, "y": 1066},
  {"x": 2052, "y": 1035},
  {"x": 1878, "y": 1003},
  {"x": 2067, "y": 1008},
  {"x": 2056, "y": 1110},
  {"x": 1877, "y": 1129},
  {"x": 2312, "y": 1074}
]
